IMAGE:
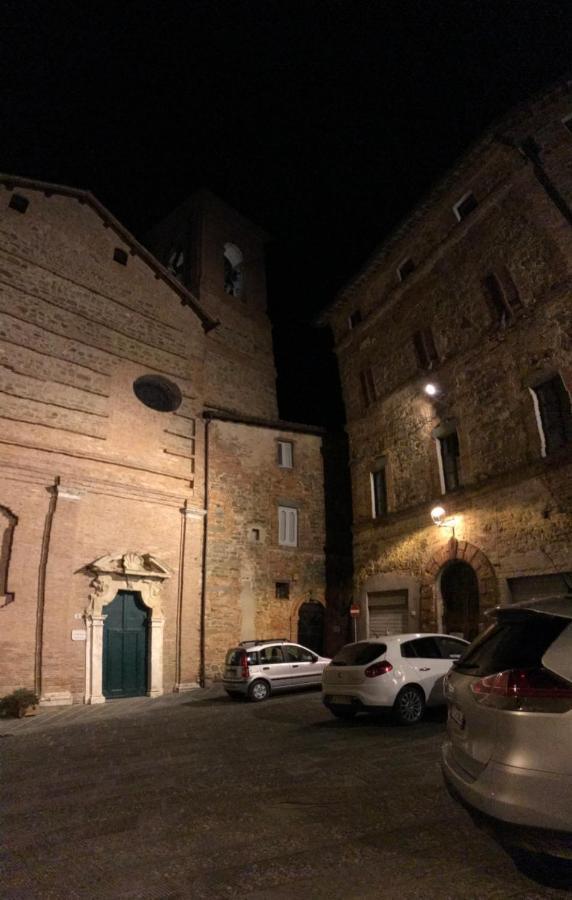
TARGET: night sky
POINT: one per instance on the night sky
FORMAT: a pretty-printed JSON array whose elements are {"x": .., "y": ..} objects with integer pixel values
[{"x": 322, "y": 120}]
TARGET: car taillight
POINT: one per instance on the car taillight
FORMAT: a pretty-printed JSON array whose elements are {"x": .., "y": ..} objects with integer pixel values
[
  {"x": 244, "y": 663},
  {"x": 529, "y": 690},
  {"x": 379, "y": 668}
]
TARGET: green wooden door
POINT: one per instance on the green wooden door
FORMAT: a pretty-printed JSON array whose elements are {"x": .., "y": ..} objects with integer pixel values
[{"x": 125, "y": 646}]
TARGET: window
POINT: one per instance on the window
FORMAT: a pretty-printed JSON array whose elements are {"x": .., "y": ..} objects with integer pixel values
[
  {"x": 255, "y": 535},
  {"x": 296, "y": 654},
  {"x": 270, "y": 656},
  {"x": 354, "y": 319},
  {"x": 449, "y": 458},
  {"x": 19, "y": 203},
  {"x": 378, "y": 492},
  {"x": 285, "y": 454},
  {"x": 120, "y": 256},
  {"x": 450, "y": 647},
  {"x": 359, "y": 654},
  {"x": 405, "y": 269},
  {"x": 465, "y": 206},
  {"x": 287, "y": 526},
  {"x": 552, "y": 406},
  {"x": 157, "y": 393},
  {"x": 425, "y": 348},
  {"x": 367, "y": 383},
  {"x": 233, "y": 270},
  {"x": 502, "y": 295},
  {"x": 176, "y": 262},
  {"x": 422, "y": 648},
  {"x": 282, "y": 590}
]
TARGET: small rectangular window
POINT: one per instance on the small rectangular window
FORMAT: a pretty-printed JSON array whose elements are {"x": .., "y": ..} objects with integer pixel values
[
  {"x": 368, "y": 392},
  {"x": 425, "y": 348},
  {"x": 502, "y": 295},
  {"x": 120, "y": 256},
  {"x": 285, "y": 454},
  {"x": 282, "y": 590},
  {"x": 354, "y": 319},
  {"x": 554, "y": 416},
  {"x": 19, "y": 203},
  {"x": 405, "y": 269},
  {"x": 465, "y": 206},
  {"x": 449, "y": 455},
  {"x": 378, "y": 492},
  {"x": 288, "y": 526}
]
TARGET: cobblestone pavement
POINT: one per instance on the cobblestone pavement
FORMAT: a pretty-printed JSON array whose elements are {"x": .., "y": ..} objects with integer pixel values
[{"x": 196, "y": 796}]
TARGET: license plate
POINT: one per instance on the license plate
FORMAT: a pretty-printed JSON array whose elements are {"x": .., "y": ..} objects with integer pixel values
[
  {"x": 340, "y": 699},
  {"x": 457, "y": 716}
]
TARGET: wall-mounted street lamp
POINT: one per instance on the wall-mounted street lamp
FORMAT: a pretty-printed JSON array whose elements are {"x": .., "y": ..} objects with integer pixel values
[
  {"x": 431, "y": 389},
  {"x": 440, "y": 518}
]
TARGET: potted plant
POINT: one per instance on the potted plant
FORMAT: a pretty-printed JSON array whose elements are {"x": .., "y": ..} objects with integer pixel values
[{"x": 19, "y": 703}]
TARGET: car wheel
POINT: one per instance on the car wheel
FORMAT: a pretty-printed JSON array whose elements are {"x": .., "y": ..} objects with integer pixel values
[
  {"x": 343, "y": 713},
  {"x": 409, "y": 705},
  {"x": 234, "y": 695},
  {"x": 259, "y": 690}
]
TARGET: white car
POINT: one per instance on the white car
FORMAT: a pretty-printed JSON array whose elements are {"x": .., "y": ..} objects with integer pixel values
[{"x": 401, "y": 672}]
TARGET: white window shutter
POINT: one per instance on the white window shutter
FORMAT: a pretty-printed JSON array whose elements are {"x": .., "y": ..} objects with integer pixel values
[{"x": 287, "y": 526}]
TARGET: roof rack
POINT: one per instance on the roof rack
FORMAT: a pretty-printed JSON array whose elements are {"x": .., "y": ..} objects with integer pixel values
[{"x": 263, "y": 641}]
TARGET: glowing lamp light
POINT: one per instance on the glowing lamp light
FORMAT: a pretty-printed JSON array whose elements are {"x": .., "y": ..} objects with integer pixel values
[
  {"x": 431, "y": 389},
  {"x": 438, "y": 515}
]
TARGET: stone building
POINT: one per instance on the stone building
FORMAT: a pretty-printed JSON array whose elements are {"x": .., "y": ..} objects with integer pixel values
[
  {"x": 154, "y": 510},
  {"x": 454, "y": 346}
]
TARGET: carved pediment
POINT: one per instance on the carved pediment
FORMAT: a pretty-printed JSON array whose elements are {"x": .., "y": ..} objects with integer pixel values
[{"x": 141, "y": 565}]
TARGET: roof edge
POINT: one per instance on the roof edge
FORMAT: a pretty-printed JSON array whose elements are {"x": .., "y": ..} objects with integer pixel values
[
  {"x": 223, "y": 415},
  {"x": 109, "y": 221}
]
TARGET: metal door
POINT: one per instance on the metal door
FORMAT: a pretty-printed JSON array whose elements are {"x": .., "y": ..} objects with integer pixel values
[{"x": 125, "y": 647}]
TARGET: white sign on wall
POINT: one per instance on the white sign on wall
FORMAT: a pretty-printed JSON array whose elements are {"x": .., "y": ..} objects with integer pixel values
[{"x": 78, "y": 635}]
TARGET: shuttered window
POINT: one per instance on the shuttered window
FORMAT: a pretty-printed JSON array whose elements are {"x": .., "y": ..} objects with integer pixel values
[
  {"x": 368, "y": 393},
  {"x": 449, "y": 451},
  {"x": 287, "y": 526},
  {"x": 554, "y": 414},
  {"x": 378, "y": 492},
  {"x": 285, "y": 454},
  {"x": 502, "y": 294},
  {"x": 425, "y": 348}
]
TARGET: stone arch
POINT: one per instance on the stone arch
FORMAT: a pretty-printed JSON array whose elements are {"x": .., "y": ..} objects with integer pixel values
[
  {"x": 462, "y": 551},
  {"x": 8, "y": 522},
  {"x": 133, "y": 572},
  {"x": 295, "y": 611}
]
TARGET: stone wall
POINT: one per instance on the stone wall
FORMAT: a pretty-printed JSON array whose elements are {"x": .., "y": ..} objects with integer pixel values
[
  {"x": 515, "y": 506},
  {"x": 244, "y": 559}
]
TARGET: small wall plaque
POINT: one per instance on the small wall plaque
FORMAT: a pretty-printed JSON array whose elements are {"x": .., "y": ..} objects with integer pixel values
[{"x": 78, "y": 634}]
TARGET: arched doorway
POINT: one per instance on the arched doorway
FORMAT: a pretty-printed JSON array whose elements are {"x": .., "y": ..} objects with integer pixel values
[
  {"x": 460, "y": 593},
  {"x": 125, "y": 646},
  {"x": 311, "y": 626}
]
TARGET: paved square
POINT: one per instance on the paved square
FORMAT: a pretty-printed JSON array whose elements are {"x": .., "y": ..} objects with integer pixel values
[{"x": 196, "y": 796}]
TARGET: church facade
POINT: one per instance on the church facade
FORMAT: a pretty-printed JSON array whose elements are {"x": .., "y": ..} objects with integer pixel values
[{"x": 154, "y": 510}]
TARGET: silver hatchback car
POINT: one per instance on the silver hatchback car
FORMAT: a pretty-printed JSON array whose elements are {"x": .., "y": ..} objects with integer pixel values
[
  {"x": 255, "y": 669},
  {"x": 508, "y": 753}
]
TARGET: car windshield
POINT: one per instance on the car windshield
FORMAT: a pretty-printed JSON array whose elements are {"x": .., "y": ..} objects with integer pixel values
[
  {"x": 358, "y": 654},
  {"x": 515, "y": 641}
]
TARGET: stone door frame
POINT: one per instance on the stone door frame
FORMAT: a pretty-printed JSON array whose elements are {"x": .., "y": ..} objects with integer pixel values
[
  {"x": 431, "y": 599},
  {"x": 130, "y": 572}
]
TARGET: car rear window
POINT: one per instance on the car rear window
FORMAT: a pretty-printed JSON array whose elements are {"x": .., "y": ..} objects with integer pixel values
[
  {"x": 513, "y": 642},
  {"x": 358, "y": 654},
  {"x": 235, "y": 657}
]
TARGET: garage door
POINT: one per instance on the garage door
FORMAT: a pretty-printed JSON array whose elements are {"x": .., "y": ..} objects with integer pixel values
[
  {"x": 387, "y": 613},
  {"x": 535, "y": 586}
]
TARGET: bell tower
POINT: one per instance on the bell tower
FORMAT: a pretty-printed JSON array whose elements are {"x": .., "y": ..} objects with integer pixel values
[{"x": 219, "y": 256}]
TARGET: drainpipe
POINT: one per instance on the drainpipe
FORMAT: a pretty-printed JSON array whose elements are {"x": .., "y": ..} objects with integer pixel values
[
  {"x": 202, "y": 665},
  {"x": 45, "y": 552},
  {"x": 529, "y": 150}
]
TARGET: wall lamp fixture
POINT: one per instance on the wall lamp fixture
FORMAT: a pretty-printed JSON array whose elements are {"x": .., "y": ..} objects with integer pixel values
[
  {"x": 431, "y": 389},
  {"x": 440, "y": 518}
]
